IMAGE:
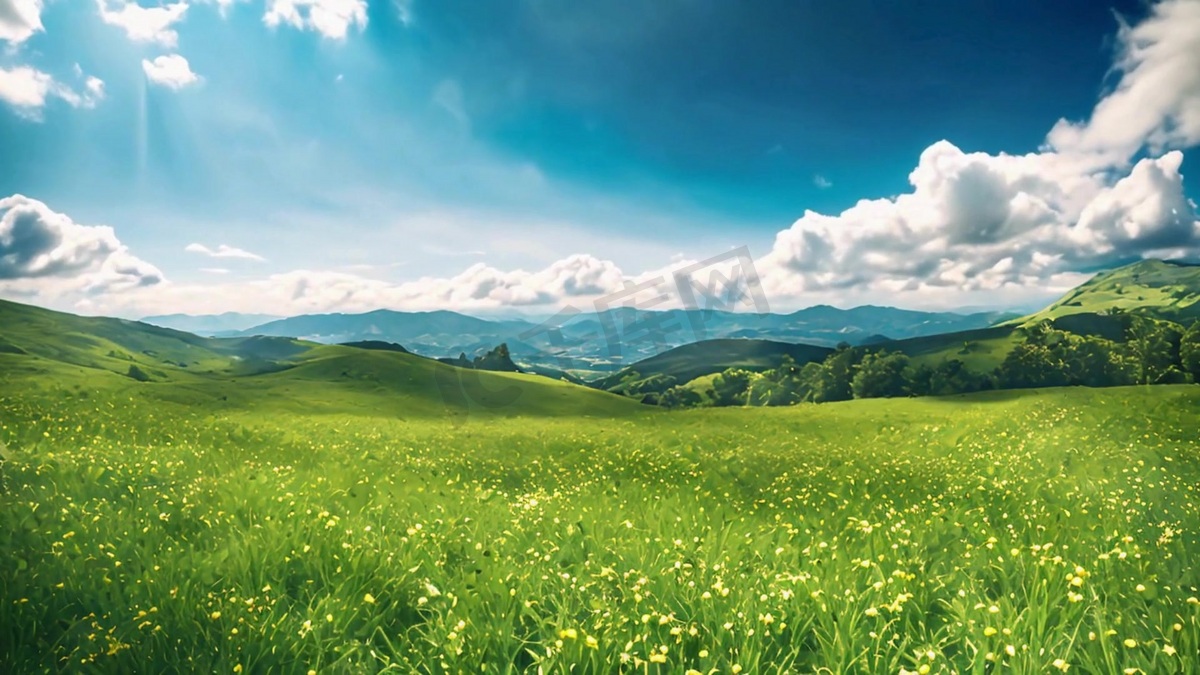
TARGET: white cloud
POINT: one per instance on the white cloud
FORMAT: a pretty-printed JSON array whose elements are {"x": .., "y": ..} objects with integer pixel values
[
  {"x": 170, "y": 70},
  {"x": 20, "y": 19},
  {"x": 975, "y": 221},
  {"x": 577, "y": 280},
  {"x": 822, "y": 182},
  {"x": 45, "y": 252},
  {"x": 27, "y": 89},
  {"x": 1144, "y": 213},
  {"x": 144, "y": 24},
  {"x": 979, "y": 221},
  {"x": 214, "y": 270},
  {"x": 223, "y": 251},
  {"x": 1157, "y": 99},
  {"x": 974, "y": 225},
  {"x": 483, "y": 286},
  {"x": 95, "y": 87},
  {"x": 330, "y": 18}
]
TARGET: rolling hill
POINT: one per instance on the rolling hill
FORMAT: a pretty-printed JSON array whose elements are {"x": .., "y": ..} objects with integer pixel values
[
  {"x": 599, "y": 343},
  {"x": 116, "y": 344},
  {"x": 683, "y": 364},
  {"x": 46, "y": 350},
  {"x": 1166, "y": 290}
]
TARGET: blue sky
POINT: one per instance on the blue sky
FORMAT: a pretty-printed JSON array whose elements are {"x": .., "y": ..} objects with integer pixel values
[{"x": 477, "y": 154}]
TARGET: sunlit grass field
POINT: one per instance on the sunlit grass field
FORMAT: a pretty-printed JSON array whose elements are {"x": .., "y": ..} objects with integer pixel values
[{"x": 144, "y": 531}]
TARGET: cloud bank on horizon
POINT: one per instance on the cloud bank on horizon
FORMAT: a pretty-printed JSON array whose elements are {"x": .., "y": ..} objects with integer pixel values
[{"x": 1100, "y": 191}]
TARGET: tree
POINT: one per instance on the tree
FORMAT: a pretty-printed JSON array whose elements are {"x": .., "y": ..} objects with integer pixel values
[
  {"x": 679, "y": 397},
  {"x": 729, "y": 387},
  {"x": 1189, "y": 351},
  {"x": 812, "y": 381},
  {"x": 1093, "y": 361},
  {"x": 137, "y": 374},
  {"x": 1030, "y": 364},
  {"x": 881, "y": 375},
  {"x": 920, "y": 380},
  {"x": 1154, "y": 348},
  {"x": 953, "y": 377},
  {"x": 773, "y": 387},
  {"x": 778, "y": 386},
  {"x": 832, "y": 381}
]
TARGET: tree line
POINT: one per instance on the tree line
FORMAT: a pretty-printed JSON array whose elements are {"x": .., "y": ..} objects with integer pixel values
[{"x": 1146, "y": 351}]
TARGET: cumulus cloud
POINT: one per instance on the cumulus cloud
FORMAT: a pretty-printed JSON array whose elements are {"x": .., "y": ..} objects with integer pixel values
[
  {"x": 223, "y": 251},
  {"x": 1156, "y": 102},
  {"x": 977, "y": 221},
  {"x": 171, "y": 71},
  {"x": 1101, "y": 191},
  {"x": 483, "y": 286},
  {"x": 20, "y": 19},
  {"x": 42, "y": 250},
  {"x": 330, "y": 18},
  {"x": 582, "y": 281},
  {"x": 27, "y": 89},
  {"x": 980, "y": 221},
  {"x": 144, "y": 24}
]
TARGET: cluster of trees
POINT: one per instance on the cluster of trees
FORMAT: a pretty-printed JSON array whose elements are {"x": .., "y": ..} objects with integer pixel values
[{"x": 1149, "y": 351}]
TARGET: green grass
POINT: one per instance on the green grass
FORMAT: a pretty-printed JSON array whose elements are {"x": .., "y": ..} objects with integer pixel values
[
  {"x": 332, "y": 517},
  {"x": 708, "y": 357},
  {"x": 114, "y": 344},
  {"x": 982, "y": 350},
  {"x": 1166, "y": 290},
  {"x": 703, "y": 387}
]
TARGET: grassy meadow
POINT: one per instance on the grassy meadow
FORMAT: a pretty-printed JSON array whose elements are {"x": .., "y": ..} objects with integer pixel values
[{"x": 287, "y": 524}]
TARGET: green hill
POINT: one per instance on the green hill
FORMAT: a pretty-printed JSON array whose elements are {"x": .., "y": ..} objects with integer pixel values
[
  {"x": 47, "y": 350},
  {"x": 683, "y": 364},
  {"x": 143, "y": 532},
  {"x": 981, "y": 350},
  {"x": 116, "y": 344},
  {"x": 583, "y": 344},
  {"x": 1166, "y": 290}
]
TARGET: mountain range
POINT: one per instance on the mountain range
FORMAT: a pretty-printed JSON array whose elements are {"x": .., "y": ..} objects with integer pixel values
[
  {"x": 210, "y": 325},
  {"x": 38, "y": 338},
  {"x": 597, "y": 343},
  {"x": 1163, "y": 289}
]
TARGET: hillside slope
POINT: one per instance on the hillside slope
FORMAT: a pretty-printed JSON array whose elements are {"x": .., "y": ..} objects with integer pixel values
[
  {"x": 585, "y": 343},
  {"x": 1166, "y": 290},
  {"x": 690, "y": 361},
  {"x": 46, "y": 350},
  {"x": 117, "y": 344}
]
